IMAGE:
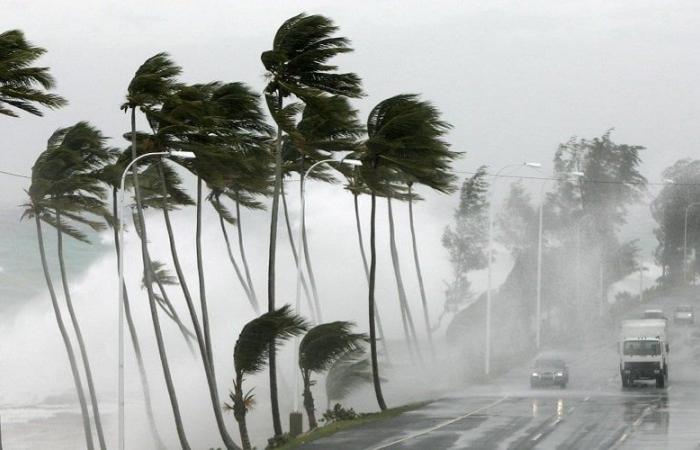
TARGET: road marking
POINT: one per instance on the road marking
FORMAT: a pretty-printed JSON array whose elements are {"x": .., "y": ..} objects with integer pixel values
[
  {"x": 669, "y": 388},
  {"x": 623, "y": 437},
  {"x": 571, "y": 410},
  {"x": 587, "y": 398},
  {"x": 537, "y": 437},
  {"x": 437, "y": 427}
]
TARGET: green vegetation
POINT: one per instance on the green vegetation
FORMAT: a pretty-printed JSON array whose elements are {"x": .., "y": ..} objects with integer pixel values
[{"x": 362, "y": 419}]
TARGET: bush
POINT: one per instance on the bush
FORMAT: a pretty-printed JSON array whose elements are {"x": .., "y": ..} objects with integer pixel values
[
  {"x": 339, "y": 413},
  {"x": 278, "y": 441}
]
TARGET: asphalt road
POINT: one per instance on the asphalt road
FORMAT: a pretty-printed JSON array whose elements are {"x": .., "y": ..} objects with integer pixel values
[{"x": 594, "y": 412}]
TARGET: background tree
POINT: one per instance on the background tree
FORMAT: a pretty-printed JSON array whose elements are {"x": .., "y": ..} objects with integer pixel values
[
  {"x": 669, "y": 210},
  {"x": 250, "y": 357},
  {"x": 466, "y": 241},
  {"x": 346, "y": 374},
  {"x": 22, "y": 85},
  {"x": 319, "y": 349},
  {"x": 298, "y": 65}
]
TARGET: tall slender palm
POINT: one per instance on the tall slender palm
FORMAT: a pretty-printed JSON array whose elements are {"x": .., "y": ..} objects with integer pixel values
[
  {"x": 406, "y": 316},
  {"x": 153, "y": 81},
  {"x": 41, "y": 206},
  {"x": 111, "y": 175},
  {"x": 77, "y": 191},
  {"x": 218, "y": 122},
  {"x": 250, "y": 355},
  {"x": 356, "y": 188},
  {"x": 320, "y": 348},
  {"x": 23, "y": 86},
  {"x": 298, "y": 65},
  {"x": 405, "y": 137}
]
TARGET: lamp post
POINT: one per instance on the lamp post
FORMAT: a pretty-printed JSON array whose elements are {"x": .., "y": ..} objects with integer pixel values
[
  {"x": 685, "y": 241},
  {"x": 299, "y": 270},
  {"x": 538, "y": 309},
  {"x": 487, "y": 353},
  {"x": 120, "y": 257}
]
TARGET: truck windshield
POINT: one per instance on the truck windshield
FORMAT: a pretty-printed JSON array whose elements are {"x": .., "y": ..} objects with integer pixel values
[{"x": 643, "y": 348}]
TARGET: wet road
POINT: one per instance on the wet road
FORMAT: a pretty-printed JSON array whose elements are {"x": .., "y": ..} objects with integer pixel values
[{"x": 594, "y": 412}]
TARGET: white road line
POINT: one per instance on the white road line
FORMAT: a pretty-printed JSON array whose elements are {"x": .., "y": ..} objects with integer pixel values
[
  {"x": 623, "y": 437},
  {"x": 571, "y": 410},
  {"x": 537, "y": 437},
  {"x": 587, "y": 398},
  {"x": 437, "y": 427}
]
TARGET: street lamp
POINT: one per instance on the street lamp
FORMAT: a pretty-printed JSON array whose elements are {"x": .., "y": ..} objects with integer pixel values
[
  {"x": 120, "y": 258},
  {"x": 487, "y": 353},
  {"x": 685, "y": 241},
  {"x": 300, "y": 260},
  {"x": 538, "y": 309}
]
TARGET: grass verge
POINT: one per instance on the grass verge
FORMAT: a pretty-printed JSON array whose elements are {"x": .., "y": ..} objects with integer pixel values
[{"x": 335, "y": 427}]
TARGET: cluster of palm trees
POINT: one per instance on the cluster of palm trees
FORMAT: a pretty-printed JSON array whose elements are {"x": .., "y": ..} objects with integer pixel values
[{"x": 240, "y": 160}]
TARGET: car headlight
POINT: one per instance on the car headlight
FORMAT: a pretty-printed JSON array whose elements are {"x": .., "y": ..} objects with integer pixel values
[
  {"x": 535, "y": 374},
  {"x": 560, "y": 374}
]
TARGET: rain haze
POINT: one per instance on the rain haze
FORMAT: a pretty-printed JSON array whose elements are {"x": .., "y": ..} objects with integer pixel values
[{"x": 587, "y": 111}]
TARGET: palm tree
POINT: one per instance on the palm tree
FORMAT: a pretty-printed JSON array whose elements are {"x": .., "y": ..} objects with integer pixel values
[
  {"x": 404, "y": 137},
  {"x": 297, "y": 65},
  {"x": 347, "y": 373},
  {"x": 406, "y": 316},
  {"x": 320, "y": 348},
  {"x": 47, "y": 169},
  {"x": 250, "y": 357},
  {"x": 152, "y": 83},
  {"x": 23, "y": 86},
  {"x": 76, "y": 191},
  {"x": 111, "y": 175},
  {"x": 218, "y": 122},
  {"x": 356, "y": 188}
]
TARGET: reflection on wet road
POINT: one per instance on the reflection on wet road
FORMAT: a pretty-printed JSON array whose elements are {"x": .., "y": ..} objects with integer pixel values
[{"x": 594, "y": 412}]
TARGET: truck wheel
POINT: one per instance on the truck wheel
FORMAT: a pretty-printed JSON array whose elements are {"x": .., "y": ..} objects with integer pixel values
[{"x": 660, "y": 381}]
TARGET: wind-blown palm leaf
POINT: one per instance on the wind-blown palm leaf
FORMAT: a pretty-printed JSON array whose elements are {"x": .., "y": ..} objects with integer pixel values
[
  {"x": 325, "y": 343},
  {"x": 162, "y": 275},
  {"x": 250, "y": 351},
  {"x": 349, "y": 372},
  {"x": 23, "y": 86},
  {"x": 298, "y": 60},
  {"x": 152, "y": 82}
]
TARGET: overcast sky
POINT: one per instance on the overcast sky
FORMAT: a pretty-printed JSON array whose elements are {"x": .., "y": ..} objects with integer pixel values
[{"x": 514, "y": 78}]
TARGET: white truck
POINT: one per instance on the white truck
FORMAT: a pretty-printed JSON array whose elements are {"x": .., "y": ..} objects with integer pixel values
[{"x": 643, "y": 349}]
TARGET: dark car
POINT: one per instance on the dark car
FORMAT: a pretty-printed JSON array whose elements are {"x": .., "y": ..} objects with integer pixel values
[
  {"x": 684, "y": 314},
  {"x": 549, "y": 372}
]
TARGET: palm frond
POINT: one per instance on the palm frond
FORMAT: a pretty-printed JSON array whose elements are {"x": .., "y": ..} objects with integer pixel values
[
  {"x": 325, "y": 343},
  {"x": 250, "y": 352}
]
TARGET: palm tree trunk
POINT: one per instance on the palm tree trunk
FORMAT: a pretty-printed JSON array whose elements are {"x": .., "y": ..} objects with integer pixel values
[
  {"x": 200, "y": 272},
  {"x": 237, "y": 269},
  {"x": 372, "y": 280},
  {"x": 293, "y": 246},
  {"x": 211, "y": 380},
  {"x": 239, "y": 413},
  {"x": 307, "y": 257},
  {"x": 151, "y": 298},
  {"x": 135, "y": 342},
  {"x": 274, "y": 402},
  {"x": 241, "y": 248},
  {"x": 66, "y": 339},
  {"x": 423, "y": 299},
  {"x": 309, "y": 402},
  {"x": 399, "y": 281},
  {"x": 79, "y": 337},
  {"x": 380, "y": 328}
]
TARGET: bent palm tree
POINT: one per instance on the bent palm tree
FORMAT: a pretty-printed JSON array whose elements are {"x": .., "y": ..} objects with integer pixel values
[
  {"x": 23, "y": 86},
  {"x": 153, "y": 82},
  {"x": 404, "y": 138},
  {"x": 320, "y": 348},
  {"x": 40, "y": 208},
  {"x": 298, "y": 65},
  {"x": 250, "y": 355},
  {"x": 111, "y": 175}
]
